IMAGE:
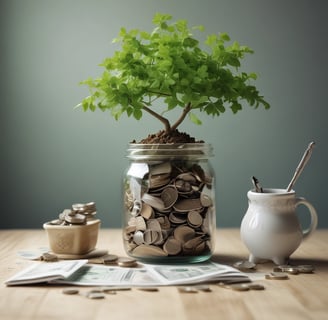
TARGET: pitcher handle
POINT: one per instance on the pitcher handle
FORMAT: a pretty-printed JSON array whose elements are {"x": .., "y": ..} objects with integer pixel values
[{"x": 314, "y": 216}]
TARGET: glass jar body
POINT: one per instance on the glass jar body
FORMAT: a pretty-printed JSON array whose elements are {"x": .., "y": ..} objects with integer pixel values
[{"x": 169, "y": 203}]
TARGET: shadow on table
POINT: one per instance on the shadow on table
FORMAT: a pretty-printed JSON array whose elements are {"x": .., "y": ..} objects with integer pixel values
[{"x": 320, "y": 264}]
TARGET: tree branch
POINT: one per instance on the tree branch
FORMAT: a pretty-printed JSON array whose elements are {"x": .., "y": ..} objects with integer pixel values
[
  {"x": 185, "y": 111},
  {"x": 159, "y": 117}
]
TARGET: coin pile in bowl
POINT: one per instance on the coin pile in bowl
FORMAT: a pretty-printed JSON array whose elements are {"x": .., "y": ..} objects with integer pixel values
[
  {"x": 169, "y": 212},
  {"x": 79, "y": 214},
  {"x": 75, "y": 232}
]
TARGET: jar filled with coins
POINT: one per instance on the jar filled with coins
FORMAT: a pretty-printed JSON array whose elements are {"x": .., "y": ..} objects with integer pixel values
[{"x": 169, "y": 203}]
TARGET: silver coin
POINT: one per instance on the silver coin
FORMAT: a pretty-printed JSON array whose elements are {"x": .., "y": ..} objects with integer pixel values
[
  {"x": 287, "y": 269},
  {"x": 76, "y": 219},
  {"x": 138, "y": 237},
  {"x": 188, "y": 290},
  {"x": 154, "y": 202},
  {"x": 306, "y": 268},
  {"x": 244, "y": 265}
]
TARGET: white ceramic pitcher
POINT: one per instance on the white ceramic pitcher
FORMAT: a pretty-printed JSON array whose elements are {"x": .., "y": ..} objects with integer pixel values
[{"x": 270, "y": 228}]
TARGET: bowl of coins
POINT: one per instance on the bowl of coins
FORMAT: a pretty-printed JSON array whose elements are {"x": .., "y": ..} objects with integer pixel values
[{"x": 75, "y": 232}]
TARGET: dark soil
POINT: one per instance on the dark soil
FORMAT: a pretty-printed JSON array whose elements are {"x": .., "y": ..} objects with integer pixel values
[{"x": 168, "y": 138}]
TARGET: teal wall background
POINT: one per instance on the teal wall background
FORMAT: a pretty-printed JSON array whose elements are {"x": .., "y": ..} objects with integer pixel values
[{"x": 53, "y": 156}]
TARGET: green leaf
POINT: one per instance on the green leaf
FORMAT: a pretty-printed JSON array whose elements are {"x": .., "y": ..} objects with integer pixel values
[
  {"x": 194, "y": 118},
  {"x": 170, "y": 66},
  {"x": 137, "y": 113}
]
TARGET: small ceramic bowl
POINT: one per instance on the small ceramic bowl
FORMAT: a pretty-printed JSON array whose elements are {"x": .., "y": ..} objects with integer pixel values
[{"x": 74, "y": 239}]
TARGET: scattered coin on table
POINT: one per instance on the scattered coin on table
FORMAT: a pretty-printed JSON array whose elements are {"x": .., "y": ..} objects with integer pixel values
[
  {"x": 276, "y": 276},
  {"x": 127, "y": 262},
  {"x": 70, "y": 291},
  {"x": 245, "y": 266}
]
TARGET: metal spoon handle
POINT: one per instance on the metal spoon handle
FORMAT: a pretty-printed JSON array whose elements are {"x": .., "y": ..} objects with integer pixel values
[
  {"x": 257, "y": 185},
  {"x": 301, "y": 165}
]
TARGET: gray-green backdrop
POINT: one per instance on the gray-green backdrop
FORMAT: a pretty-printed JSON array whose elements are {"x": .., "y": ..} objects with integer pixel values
[{"x": 53, "y": 156}]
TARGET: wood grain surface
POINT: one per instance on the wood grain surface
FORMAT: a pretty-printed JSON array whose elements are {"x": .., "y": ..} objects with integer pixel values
[{"x": 303, "y": 296}]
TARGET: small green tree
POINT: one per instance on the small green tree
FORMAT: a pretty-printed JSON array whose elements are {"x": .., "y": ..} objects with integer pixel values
[{"x": 170, "y": 64}]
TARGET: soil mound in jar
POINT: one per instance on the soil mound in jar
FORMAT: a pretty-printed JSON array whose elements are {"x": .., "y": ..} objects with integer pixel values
[{"x": 171, "y": 137}]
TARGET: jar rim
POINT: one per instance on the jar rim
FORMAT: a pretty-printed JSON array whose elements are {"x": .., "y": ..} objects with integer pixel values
[{"x": 140, "y": 151}]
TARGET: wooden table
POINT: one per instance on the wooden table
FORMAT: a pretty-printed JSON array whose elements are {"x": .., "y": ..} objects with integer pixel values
[{"x": 303, "y": 296}]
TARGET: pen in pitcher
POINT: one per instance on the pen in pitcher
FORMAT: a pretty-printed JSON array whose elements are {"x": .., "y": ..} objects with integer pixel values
[{"x": 257, "y": 185}]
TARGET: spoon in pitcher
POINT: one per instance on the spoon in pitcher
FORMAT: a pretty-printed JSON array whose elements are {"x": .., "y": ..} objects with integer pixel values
[
  {"x": 257, "y": 185},
  {"x": 301, "y": 165}
]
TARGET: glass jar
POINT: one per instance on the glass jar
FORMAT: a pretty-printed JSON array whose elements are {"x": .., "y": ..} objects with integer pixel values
[{"x": 169, "y": 203}]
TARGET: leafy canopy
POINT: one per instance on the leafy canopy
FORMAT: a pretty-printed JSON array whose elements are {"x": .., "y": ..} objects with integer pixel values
[{"x": 169, "y": 64}]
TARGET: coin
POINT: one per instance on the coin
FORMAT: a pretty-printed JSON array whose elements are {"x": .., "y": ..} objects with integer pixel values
[
  {"x": 188, "y": 290},
  {"x": 184, "y": 233},
  {"x": 149, "y": 289},
  {"x": 75, "y": 219},
  {"x": 203, "y": 287},
  {"x": 153, "y": 201},
  {"x": 195, "y": 219},
  {"x": 276, "y": 276},
  {"x": 185, "y": 205},
  {"x": 127, "y": 262},
  {"x": 191, "y": 245},
  {"x": 49, "y": 257},
  {"x": 306, "y": 268},
  {"x": 169, "y": 196},
  {"x": 138, "y": 237},
  {"x": 256, "y": 286},
  {"x": 162, "y": 168},
  {"x": 140, "y": 223},
  {"x": 238, "y": 287},
  {"x": 70, "y": 291},
  {"x": 287, "y": 269},
  {"x": 95, "y": 295},
  {"x": 184, "y": 183},
  {"x": 147, "y": 211},
  {"x": 164, "y": 223},
  {"x": 177, "y": 218},
  {"x": 244, "y": 265},
  {"x": 106, "y": 289},
  {"x": 172, "y": 246},
  {"x": 110, "y": 258},
  {"x": 159, "y": 180},
  {"x": 205, "y": 197},
  {"x": 150, "y": 236}
]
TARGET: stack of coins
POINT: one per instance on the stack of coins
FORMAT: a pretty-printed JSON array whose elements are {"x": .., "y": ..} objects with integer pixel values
[
  {"x": 169, "y": 211},
  {"x": 79, "y": 214}
]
